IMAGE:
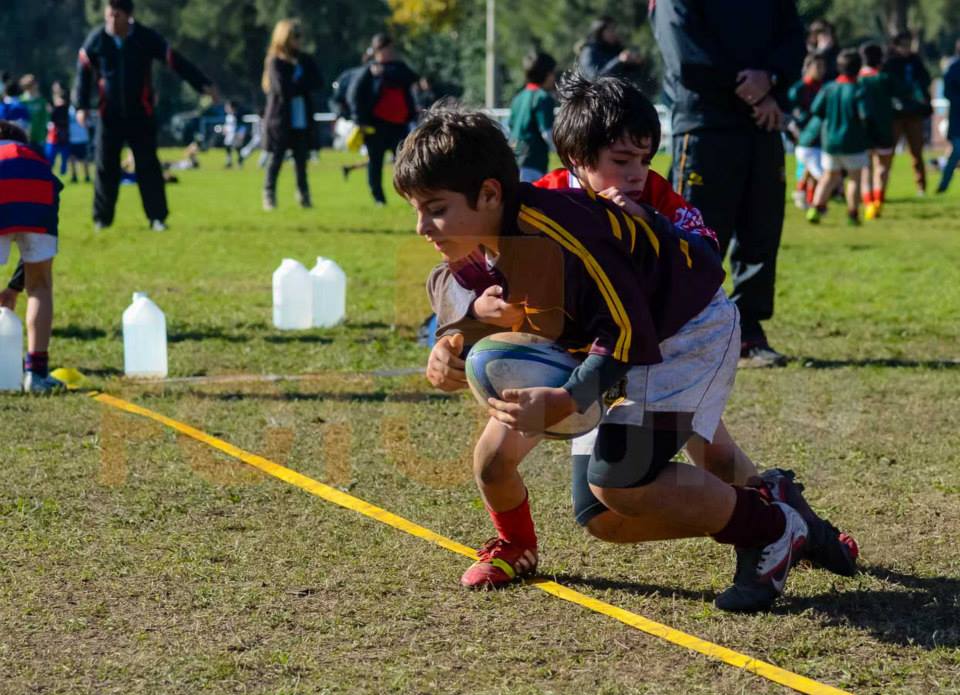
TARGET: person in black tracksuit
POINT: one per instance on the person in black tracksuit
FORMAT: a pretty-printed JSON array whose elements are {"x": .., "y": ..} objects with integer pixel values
[
  {"x": 118, "y": 58},
  {"x": 728, "y": 67},
  {"x": 382, "y": 99}
]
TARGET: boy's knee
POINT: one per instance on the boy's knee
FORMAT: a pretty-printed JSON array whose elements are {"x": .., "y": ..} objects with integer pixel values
[
  {"x": 606, "y": 526},
  {"x": 490, "y": 466}
]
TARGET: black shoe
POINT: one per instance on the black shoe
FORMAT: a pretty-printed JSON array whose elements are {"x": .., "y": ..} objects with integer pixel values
[
  {"x": 762, "y": 572},
  {"x": 760, "y": 355},
  {"x": 346, "y": 172},
  {"x": 827, "y": 547}
]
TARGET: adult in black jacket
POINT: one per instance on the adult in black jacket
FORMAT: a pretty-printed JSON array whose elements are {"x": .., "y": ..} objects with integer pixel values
[
  {"x": 289, "y": 78},
  {"x": 728, "y": 66},
  {"x": 913, "y": 107},
  {"x": 382, "y": 99},
  {"x": 603, "y": 53},
  {"x": 118, "y": 57}
]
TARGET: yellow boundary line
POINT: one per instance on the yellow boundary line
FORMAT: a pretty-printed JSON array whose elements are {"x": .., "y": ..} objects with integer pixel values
[{"x": 714, "y": 651}]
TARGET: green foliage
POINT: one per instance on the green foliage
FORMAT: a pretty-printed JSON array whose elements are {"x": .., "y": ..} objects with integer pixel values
[{"x": 443, "y": 38}]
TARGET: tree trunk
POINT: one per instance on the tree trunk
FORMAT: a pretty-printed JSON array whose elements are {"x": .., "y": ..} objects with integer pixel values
[{"x": 898, "y": 16}]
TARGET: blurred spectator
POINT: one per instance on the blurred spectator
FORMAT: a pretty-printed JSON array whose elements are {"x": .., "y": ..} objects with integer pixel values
[
  {"x": 234, "y": 131},
  {"x": 58, "y": 131},
  {"x": 11, "y": 108},
  {"x": 879, "y": 91},
  {"x": 913, "y": 106},
  {"x": 382, "y": 99},
  {"x": 603, "y": 54},
  {"x": 531, "y": 116},
  {"x": 822, "y": 42},
  {"x": 37, "y": 106},
  {"x": 805, "y": 127},
  {"x": 841, "y": 106},
  {"x": 424, "y": 95},
  {"x": 340, "y": 105},
  {"x": 79, "y": 147},
  {"x": 951, "y": 91},
  {"x": 289, "y": 78}
]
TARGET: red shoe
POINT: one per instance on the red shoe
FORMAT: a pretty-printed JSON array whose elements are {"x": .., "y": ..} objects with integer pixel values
[{"x": 499, "y": 563}]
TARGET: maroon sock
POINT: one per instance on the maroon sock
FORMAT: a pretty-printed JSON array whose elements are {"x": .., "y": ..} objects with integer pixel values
[
  {"x": 516, "y": 525},
  {"x": 38, "y": 363},
  {"x": 754, "y": 523}
]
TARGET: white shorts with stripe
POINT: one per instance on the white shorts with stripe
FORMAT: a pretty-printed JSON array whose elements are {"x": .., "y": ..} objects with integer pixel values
[{"x": 696, "y": 376}]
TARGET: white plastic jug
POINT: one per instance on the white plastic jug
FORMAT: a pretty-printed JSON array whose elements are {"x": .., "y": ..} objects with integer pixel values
[
  {"x": 329, "y": 293},
  {"x": 292, "y": 296},
  {"x": 144, "y": 339},
  {"x": 11, "y": 351}
]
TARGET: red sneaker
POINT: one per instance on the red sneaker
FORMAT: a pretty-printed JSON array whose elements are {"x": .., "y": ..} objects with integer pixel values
[{"x": 499, "y": 563}]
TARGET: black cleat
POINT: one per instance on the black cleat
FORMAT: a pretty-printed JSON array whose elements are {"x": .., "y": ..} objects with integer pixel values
[
  {"x": 827, "y": 547},
  {"x": 762, "y": 572}
]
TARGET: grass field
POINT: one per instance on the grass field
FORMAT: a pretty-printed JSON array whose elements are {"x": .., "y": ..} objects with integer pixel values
[{"x": 137, "y": 560}]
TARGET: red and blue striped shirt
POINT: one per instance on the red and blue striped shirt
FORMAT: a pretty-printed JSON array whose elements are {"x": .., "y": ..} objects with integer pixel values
[{"x": 29, "y": 192}]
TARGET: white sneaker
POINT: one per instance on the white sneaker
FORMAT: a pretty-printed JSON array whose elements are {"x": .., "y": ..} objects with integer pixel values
[
  {"x": 800, "y": 200},
  {"x": 42, "y": 384},
  {"x": 158, "y": 226}
]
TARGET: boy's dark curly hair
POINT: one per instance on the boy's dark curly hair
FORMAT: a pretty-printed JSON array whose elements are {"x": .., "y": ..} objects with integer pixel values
[{"x": 596, "y": 113}]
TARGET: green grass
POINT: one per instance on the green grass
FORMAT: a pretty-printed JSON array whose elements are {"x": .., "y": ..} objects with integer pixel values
[{"x": 133, "y": 559}]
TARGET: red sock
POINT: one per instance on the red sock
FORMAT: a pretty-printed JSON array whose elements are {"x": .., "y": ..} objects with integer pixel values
[
  {"x": 516, "y": 525},
  {"x": 811, "y": 191},
  {"x": 878, "y": 196},
  {"x": 754, "y": 523},
  {"x": 867, "y": 197}
]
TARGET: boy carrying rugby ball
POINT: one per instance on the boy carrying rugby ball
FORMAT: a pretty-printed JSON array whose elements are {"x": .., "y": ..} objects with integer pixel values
[{"x": 644, "y": 303}]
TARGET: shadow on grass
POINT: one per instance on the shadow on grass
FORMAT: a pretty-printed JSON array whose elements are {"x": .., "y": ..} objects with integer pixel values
[
  {"x": 103, "y": 372},
  {"x": 79, "y": 332},
  {"x": 815, "y": 363},
  {"x": 341, "y": 397},
  {"x": 307, "y": 338},
  {"x": 207, "y": 334},
  {"x": 926, "y": 614}
]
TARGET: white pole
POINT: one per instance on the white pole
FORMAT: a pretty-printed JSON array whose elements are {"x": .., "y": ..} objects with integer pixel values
[{"x": 491, "y": 91}]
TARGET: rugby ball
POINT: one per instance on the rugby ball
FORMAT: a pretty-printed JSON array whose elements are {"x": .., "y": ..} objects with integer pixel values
[{"x": 521, "y": 360}]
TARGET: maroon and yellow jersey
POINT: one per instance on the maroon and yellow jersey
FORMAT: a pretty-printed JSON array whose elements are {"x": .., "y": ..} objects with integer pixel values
[
  {"x": 657, "y": 193},
  {"x": 590, "y": 277}
]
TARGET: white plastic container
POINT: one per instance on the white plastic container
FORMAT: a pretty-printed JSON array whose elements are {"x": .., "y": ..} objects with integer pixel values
[
  {"x": 329, "y": 293},
  {"x": 144, "y": 339},
  {"x": 292, "y": 296},
  {"x": 11, "y": 351}
]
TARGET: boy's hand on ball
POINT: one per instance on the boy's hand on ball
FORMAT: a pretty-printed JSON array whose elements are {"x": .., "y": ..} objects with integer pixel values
[
  {"x": 622, "y": 200},
  {"x": 532, "y": 410},
  {"x": 490, "y": 307},
  {"x": 445, "y": 369}
]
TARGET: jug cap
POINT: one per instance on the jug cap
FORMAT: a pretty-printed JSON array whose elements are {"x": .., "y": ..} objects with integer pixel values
[{"x": 139, "y": 295}]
